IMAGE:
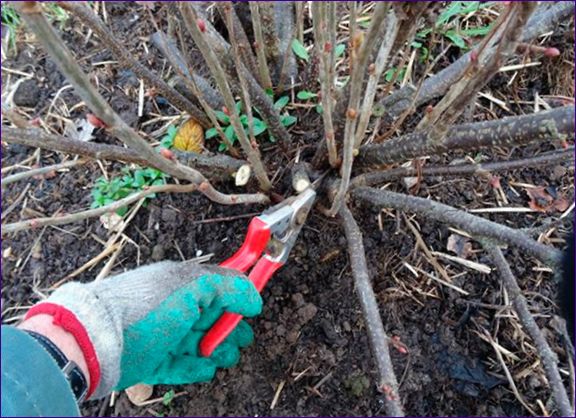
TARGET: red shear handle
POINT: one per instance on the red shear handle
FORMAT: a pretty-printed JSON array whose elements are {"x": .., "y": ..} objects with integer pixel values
[
  {"x": 259, "y": 275},
  {"x": 254, "y": 244}
]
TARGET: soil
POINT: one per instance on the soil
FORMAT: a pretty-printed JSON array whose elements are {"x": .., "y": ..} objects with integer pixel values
[{"x": 311, "y": 338}]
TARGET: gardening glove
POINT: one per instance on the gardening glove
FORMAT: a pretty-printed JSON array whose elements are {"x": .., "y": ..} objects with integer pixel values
[{"x": 144, "y": 326}]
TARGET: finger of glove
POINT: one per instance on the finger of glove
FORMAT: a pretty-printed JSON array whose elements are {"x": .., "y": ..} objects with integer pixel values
[
  {"x": 148, "y": 341},
  {"x": 242, "y": 336},
  {"x": 182, "y": 370},
  {"x": 230, "y": 294}
]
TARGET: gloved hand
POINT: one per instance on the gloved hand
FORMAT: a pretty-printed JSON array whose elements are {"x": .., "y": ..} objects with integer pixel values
[{"x": 144, "y": 326}]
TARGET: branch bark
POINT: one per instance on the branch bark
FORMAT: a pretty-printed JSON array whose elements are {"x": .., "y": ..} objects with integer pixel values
[
  {"x": 217, "y": 167},
  {"x": 91, "y": 20},
  {"x": 548, "y": 357},
  {"x": 40, "y": 171},
  {"x": 555, "y": 124},
  {"x": 387, "y": 384},
  {"x": 474, "y": 225},
  {"x": 263, "y": 70},
  {"x": 325, "y": 52},
  {"x": 543, "y": 160},
  {"x": 169, "y": 50}
]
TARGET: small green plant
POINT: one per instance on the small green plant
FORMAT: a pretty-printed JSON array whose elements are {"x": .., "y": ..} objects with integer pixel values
[
  {"x": 308, "y": 95},
  {"x": 167, "y": 140},
  {"x": 300, "y": 50},
  {"x": 11, "y": 19},
  {"x": 448, "y": 25},
  {"x": 132, "y": 181},
  {"x": 259, "y": 127}
]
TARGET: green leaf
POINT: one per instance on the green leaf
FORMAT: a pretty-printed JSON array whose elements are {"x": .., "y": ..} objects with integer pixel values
[
  {"x": 389, "y": 74},
  {"x": 416, "y": 44},
  {"x": 270, "y": 92},
  {"x": 238, "y": 106},
  {"x": 229, "y": 133},
  {"x": 454, "y": 8},
  {"x": 222, "y": 117},
  {"x": 339, "y": 50},
  {"x": 455, "y": 38},
  {"x": 281, "y": 102},
  {"x": 211, "y": 133},
  {"x": 423, "y": 33},
  {"x": 222, "y": 147},
  {"x": 288, "y": 120},
  {"x": 139, "y": 180},
  {"x": 122, "y": 211},
  {"x": 168, "y": 397},
  {"x": 319, "y": 109},
  {"x": 244, "y": 119},
  {"x": 259, "y": 126},
  {"x": 481, "y": 31},
  {"x": 305, "y": 95},
  {"x": 300, "y": 50}
]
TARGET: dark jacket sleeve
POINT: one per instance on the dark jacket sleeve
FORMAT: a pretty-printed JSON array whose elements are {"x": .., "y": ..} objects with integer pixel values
[{"x": 32, "y": 383}]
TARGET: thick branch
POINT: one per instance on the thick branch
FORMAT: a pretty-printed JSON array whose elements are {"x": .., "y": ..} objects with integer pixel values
[
  {"x": 438, "y": 84},
  {"x": 217, "y": 167},
  {"x": 474, "y": 225},
  {"x": 122, "y": 54},
  {"x": 547, "y": 356},
  {"x": 543, "y": 160},
  {"x": 378, "y": 338},
  {"x": 551, "y": 125},
  {"x": 169, "y": 50}
]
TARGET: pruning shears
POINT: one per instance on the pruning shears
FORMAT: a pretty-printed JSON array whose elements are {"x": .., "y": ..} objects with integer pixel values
[{"x": 273, "y": 233}]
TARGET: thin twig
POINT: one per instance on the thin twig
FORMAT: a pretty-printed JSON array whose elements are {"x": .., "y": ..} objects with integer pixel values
[
  {"x": 488, "y": 56},
  {"x": 374, "y": 75},
  {"x": 122, "y": 54},
  {"x": 540, "y": 161},
  {"x": 548, "y": 357},
  {"x": 259, "y": 97},
  {"x": 259, "y": 46},
  {"x": 472, "y": 224},
  {"x": 40, "y": 171},
  {"x": 91, "y": 213},
  {"x": 253, "y": 156},
  {"x": 362, "y": 48},
  {"x": 387, "y": 384},
  {"x": 325, "y": 53}
]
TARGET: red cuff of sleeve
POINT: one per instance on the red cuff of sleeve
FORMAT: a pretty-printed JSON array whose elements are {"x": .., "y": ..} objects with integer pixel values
[{"x": 68, "y": 321}]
